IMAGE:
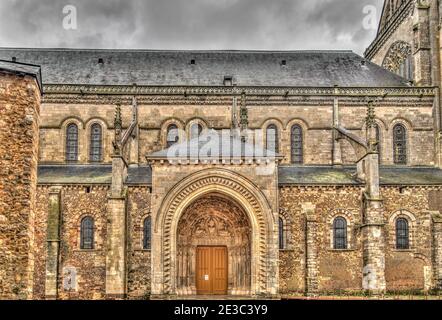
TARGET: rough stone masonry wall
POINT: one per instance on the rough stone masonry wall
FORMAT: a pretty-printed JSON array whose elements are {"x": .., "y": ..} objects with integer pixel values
[
  {"x": 338, "y": 270},
  {"x": 408, "y": 269},
  {"x": 40, "y": 243},
  {"x": 19, "y": 120},
  {"x": 76, "y": 203},
  {"x": 405, "y": 270},
  {"x": 139, "y": 270}
]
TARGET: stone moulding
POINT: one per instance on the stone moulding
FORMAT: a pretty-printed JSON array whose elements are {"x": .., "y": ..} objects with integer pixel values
[
  {"x": 237, "y": 188},
  {"x": 236, "y": 91},
  {"x": 261, "y": 96},
  {"x": 304, "y": 101}
]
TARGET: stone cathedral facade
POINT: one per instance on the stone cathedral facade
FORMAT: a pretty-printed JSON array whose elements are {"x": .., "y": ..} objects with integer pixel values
[{"x": 137, "y": 174}]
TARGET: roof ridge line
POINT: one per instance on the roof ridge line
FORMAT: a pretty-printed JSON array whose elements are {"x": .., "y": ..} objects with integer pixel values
[{"x": 176, "y": 50}]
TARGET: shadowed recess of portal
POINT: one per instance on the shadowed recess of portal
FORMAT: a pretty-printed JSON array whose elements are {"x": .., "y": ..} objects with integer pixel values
[{"x": 214, "y": 221}]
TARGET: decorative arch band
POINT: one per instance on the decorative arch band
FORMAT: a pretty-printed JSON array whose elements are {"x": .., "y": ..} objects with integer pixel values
[{"x": 215, "y": 184}]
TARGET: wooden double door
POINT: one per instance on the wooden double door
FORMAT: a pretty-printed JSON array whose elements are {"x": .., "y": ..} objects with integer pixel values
[{"x": 211, "y": 270}]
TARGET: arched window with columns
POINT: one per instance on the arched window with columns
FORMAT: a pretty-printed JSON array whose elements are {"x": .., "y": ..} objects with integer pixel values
[
  {"x": 96, "y": 149},
  {"x": 378, "y": 139},
  {"x": 172, "y": 135},
  {"x": 400, "y": 144},
  {"x": 195, "y": 130},
  {"x": 296, "y": 141},
  {"x": 72, "y": 142},
  {"x": 272, "y": 138}
]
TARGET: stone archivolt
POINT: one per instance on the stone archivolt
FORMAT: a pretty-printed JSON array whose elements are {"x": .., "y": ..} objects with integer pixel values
[
  {"x": 214, "y": 221},
  {"x": 234, "y": 187}
]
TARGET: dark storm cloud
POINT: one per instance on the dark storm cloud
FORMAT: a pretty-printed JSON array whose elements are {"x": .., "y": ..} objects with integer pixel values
[
  {"x": 189, "y": 24},
  {"x": 343, "y": 18},
  {"x": 39, "y": 23}
]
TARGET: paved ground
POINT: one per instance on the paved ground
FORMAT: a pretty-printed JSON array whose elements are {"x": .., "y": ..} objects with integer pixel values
[
  {"x": 389, "y": 297},
  {"x": 202, "y": 297},
  {"x": 365, "y": 298}
]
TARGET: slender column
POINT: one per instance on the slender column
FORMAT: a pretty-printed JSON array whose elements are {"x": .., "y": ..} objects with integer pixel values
[
  {"x": 312, "y": 271},
  {"x": 337, "y": 153},
  {"x": 187, "y": 267},
  {"x": 53, "y": 243},
  {"x": 192, "y": 270},
  {"x": 438, "y": 142},
  {"x": 235, "y": 270},
  {"x": 230, "y": 273},
  {"x": 437, "y": 249},
  {"x": 116, "y": 232},
  {"x": 438, "y": 102},
  {"x": 116, "y": 249},
  {"x": 273, "y": 260},
  {"x": 179, "y": 270}
]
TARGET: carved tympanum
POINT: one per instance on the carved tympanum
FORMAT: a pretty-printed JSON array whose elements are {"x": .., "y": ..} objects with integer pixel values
[{"x": 214, "y": 221}]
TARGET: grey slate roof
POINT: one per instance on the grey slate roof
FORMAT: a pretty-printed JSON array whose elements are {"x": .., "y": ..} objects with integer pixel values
[
  {"x": 411, "y": 176},
  {"x": 214, "y": 145},
  {"x": 90, "y": 174},
  {"x": 288, "y": 175},
  {"x": 173, "y": 68},
  {"x": 22, "y": 68},
  {"x": 316, "y": 175},
  {"x": 328, "y": 175}
]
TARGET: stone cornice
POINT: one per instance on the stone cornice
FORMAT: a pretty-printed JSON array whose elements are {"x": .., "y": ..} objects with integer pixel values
[
  {"x": 304, "y": 101},
  {"x": 384, "y": 34},
  {"x": 73, "y": 94}
]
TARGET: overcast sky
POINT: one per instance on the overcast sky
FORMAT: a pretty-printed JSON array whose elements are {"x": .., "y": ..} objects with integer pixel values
[{"x": 189, "y": 24}]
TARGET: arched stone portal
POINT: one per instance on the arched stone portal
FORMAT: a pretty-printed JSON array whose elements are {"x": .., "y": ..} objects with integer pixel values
[
  {"x": 214, "y": 221},
  {"x": 240, "y": 195}
]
